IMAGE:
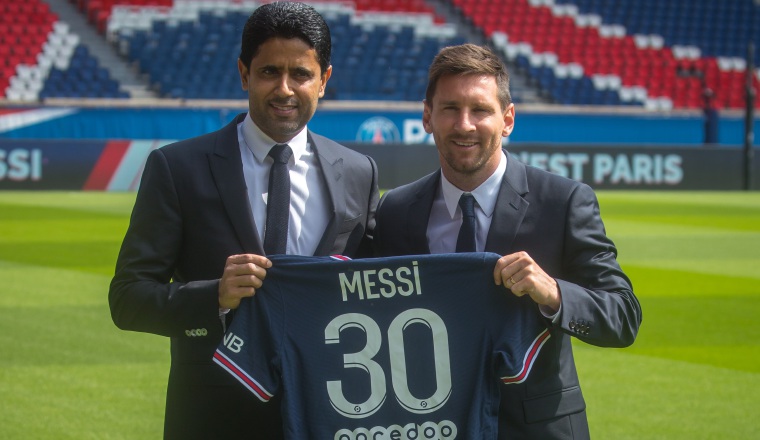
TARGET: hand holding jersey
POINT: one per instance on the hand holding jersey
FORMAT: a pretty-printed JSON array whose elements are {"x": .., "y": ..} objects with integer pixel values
[
  {"x": 519, "y": 273},
  {"x": 243, "y": 274}
]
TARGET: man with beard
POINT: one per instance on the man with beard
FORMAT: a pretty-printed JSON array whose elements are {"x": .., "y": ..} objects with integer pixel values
[{"x": 555, "y": 254}]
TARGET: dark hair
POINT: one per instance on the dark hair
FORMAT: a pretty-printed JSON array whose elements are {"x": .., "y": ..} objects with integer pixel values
[
  {"x": 468, "y": 59},
  {"x": 286, "y": 20}
]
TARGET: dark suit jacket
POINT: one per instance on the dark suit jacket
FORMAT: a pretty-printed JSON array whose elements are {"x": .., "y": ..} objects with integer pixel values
[
  {"x": 557, "y": 222},
  {"x": 191, "y": 213}
]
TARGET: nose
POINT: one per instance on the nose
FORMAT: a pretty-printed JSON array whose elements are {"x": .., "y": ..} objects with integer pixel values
[
  {"x": 464, "y": 122},
  {"x": 284, "y": 85}
]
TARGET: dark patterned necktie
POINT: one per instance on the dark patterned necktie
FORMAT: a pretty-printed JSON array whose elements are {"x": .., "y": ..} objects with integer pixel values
[
  {"x": 466, "y": 239},
  {"x": 278, "y": 201}
]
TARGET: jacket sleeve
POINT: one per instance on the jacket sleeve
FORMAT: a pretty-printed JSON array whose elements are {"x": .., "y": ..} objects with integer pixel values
[
  {"x": 143, "y": 295},
  {"x": 598, "y": 303}
]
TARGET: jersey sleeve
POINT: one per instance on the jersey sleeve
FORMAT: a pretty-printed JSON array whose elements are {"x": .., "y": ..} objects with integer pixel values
[
  {"x": 249, "y": 349},
  {"x": 519, "y": 338}
]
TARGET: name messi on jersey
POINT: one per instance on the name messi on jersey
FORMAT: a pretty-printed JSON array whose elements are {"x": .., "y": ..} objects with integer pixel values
[{"x": 377, "y": 283}]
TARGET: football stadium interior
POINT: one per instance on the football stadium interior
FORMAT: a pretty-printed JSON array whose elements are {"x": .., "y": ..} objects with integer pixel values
[{"x": 651, "y": 102}]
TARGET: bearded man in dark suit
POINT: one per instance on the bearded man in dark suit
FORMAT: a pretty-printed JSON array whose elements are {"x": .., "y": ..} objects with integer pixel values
[{"x": 556, "y": 255}]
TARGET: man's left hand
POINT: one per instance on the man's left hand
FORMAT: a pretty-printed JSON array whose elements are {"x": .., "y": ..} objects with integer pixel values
[{"x": 519, "y": 273}]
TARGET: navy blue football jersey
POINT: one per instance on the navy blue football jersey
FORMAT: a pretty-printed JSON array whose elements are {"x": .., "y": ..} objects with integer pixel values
[{"x": 411, "y": 347}]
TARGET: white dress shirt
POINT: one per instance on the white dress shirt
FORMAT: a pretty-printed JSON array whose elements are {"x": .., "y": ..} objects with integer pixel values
[
  {"x": 308, "y": 191},
  {"x": 446, "y": 217}
]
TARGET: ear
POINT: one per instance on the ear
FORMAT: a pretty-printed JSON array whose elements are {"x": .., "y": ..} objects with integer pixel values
[
  {"x": 426, "y": 114},
  {"x": 325, "y": 76},
  {"x": 243, "y": 70},
  {"x": 509, "y": 120}
]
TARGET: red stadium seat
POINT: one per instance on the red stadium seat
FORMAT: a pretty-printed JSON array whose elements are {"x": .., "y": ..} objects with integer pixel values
[{"x": 521, "y": 21}]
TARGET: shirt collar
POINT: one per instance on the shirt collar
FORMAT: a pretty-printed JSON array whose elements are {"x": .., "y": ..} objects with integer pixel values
[
  {"x": 260, "y": 144},
  {"x": 485, "y": 194}
]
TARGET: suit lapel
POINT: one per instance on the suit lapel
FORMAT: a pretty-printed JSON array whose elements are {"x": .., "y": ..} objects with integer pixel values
[
  {"x": 227, "y": 170},
  {"x": 418, "y": 214},
  {"x": 332, "y": 169},
  {"x": 510, "y": 208}
]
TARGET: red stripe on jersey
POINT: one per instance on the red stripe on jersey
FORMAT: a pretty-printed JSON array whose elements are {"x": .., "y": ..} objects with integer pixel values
[
  {"x": 232, "y": 368},
  {"x": 340, "y": 257},
  {"x": 106, "y": 165},
  {"x": 529, "y": 359}
]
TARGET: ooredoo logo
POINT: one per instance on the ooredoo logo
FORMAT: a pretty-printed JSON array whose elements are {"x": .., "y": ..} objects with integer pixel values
[{"x": 426, "y": 431}]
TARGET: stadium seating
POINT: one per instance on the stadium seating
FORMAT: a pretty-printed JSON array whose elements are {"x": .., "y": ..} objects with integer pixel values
[
  {"x": 659, "y": 55},
  {"x": 650, "y": 53},
  {"x": 190, "y": 50},
  {"x": 83, "y": 77},
  {"x": 99, "y": 11},
  {"x": 42, "y": 58},
  {"x": 23, "y": 30}
]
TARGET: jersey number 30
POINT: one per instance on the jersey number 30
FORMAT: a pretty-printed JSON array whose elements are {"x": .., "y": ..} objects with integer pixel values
[{"x": 364, "y": 360}]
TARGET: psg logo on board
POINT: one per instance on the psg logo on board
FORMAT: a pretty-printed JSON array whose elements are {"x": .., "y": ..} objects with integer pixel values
[{"x": 378, "y": 130}]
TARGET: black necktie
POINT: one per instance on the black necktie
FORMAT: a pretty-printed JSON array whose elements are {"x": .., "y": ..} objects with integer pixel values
[
  {"x": 466, "y": 239},
  {"x": 278, "y": 201}
]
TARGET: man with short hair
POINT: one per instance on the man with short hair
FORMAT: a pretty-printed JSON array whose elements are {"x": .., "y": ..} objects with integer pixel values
[
  {"x": 548, "y": 228},
  {"x": 204, "y": 219}
]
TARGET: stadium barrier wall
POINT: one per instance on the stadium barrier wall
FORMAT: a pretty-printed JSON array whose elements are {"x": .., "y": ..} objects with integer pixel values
[
  {"x": 28, "y": 164},
  {"x": 403, "y": 124}
]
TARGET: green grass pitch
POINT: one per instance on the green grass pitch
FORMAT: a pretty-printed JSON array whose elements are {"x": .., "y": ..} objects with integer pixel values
[{"x": 66, "y": 372}]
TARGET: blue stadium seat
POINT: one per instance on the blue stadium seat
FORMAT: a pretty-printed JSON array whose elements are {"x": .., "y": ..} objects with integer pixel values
[{"x": 372, "y": 60}]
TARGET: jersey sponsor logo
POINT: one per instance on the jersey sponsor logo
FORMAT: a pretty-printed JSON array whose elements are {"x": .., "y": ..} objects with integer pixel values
[
  {"x": 374, "y": 283},
  {"x": 425, "y": 431},
  {"x": 195, "y": 332}
]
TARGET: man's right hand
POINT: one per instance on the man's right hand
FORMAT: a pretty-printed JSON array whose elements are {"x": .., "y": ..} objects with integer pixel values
[{"x": 243, "y": 274}]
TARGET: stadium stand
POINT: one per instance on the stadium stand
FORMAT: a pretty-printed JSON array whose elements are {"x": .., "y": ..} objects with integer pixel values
[
  {"x": 99, "y": 11},
  {"x": 45, "y": 59},
  {"x": 23, "y": 30},
  {"x": 660, "y": 55},
  {"x": 639, "y": 53},
  {"x": 187, "y": 50}
]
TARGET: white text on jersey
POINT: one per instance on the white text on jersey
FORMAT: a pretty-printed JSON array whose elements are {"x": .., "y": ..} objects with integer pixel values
[
  {"x": 371, "y": 284},
  {"x": 234, "y": 343}
]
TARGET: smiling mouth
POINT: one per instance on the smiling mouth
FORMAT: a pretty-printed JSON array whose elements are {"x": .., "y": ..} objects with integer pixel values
[
  {"x": 283, "y": 106},
  {"x": 464, "y": 144}
]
